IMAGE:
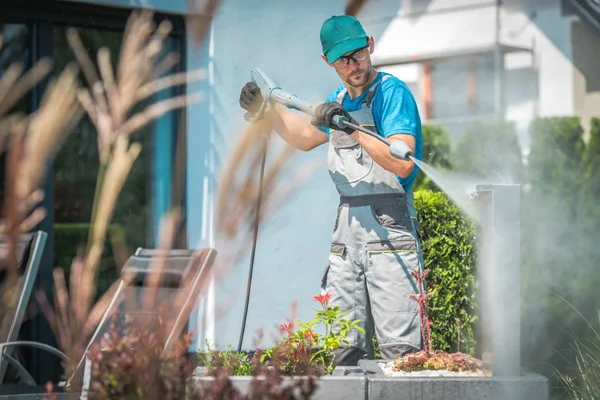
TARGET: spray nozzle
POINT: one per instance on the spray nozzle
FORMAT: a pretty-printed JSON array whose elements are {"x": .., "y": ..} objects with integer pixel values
[{"x": 400, "y": 150}]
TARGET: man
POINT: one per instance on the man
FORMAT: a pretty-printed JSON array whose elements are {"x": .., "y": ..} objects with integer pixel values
[{"x": 376, "y": 241}]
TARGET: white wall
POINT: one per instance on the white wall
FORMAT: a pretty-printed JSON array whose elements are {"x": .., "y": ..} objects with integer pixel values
[
  {"x": 429, "y": 27},
  {"x": 540, "y": 25},
  {"x": 425, "y": 34}
]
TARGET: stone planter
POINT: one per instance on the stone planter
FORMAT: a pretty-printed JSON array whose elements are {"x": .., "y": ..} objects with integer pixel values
[
  {"x": 345, "y": 383},
  {"x": 379, "y": 386}
]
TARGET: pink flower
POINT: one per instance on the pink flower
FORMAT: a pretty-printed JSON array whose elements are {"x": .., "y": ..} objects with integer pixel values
[
  {"x": 287, "y": 327},
  {"x": 323, "y": 298}
]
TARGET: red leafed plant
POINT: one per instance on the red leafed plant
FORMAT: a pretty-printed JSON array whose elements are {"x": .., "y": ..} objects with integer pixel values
[
  {"x": 429, "y": 359},
  {"x": 131, "y": 360},
  {"x": 421, "y": 298},
  {"x": 305, "y": 343}
]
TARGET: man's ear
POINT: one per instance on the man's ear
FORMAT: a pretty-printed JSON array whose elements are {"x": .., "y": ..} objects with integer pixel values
[
  {"x": 371, "y": 44},
  {"x": 325, "y": 59}
]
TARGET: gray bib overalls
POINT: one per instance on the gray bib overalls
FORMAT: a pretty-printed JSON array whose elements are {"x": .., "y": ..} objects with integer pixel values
[{"x": 374, "y": 248}]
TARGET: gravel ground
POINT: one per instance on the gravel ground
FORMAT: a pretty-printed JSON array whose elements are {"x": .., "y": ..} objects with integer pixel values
[{"x": 388, "y": 371}]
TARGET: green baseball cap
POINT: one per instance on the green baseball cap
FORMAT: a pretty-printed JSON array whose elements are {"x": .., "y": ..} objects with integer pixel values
[{"x": 341, "y": 34}]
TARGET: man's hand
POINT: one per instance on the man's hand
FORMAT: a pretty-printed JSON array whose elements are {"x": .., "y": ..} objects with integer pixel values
[
  {"x": 325, "y": 112},
  {"x": 251, "y": 98}
]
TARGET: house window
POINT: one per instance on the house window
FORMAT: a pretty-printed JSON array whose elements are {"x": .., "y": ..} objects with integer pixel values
[
  {"x": 145, "y": 196},
  {"x": 462, "y": 87},
  {"x": 35, "y": 30},
  {"x": 459, "y": 91}
]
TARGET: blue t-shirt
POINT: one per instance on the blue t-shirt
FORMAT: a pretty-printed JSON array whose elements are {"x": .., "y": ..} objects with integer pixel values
[{"x": 394, "y": 112}]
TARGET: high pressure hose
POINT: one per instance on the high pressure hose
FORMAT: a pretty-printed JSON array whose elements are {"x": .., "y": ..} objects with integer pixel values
[{"x": 254, "y": 240}]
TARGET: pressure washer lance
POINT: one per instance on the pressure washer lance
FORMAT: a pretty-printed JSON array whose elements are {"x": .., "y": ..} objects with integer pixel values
[{"x": 272, "y": 92}]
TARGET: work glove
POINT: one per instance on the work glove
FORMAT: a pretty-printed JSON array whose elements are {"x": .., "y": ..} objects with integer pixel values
[
  {"x": 325, "y": 112},
  {"x": 251, "y": 98}
]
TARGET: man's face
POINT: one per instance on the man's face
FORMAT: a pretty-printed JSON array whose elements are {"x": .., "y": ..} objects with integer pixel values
[{"x": 354, "y": 67}]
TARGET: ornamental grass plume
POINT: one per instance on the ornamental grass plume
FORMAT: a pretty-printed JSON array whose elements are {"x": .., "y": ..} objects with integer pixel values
[{"x": 353, "y": 7}]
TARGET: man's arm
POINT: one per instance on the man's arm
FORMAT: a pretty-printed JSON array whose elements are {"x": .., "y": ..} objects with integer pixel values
[
  {"x": 380, "y": 152},
  {"x": 297, "y": 131},
  {"x": 396, "y": 114}
]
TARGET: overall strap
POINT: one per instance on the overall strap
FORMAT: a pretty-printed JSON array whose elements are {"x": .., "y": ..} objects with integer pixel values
[{"x": 370, "y": 95}]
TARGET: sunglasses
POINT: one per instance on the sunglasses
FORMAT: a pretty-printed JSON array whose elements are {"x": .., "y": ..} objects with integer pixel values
[{"x": 358, "y": 55}]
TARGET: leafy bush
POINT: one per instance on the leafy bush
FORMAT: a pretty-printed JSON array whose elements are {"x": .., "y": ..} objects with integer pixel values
[
  {"x": 131, "y": 363},
  {"x": 69, "y": 236},
  {"x": 590, "y": 190},
  {"x": 490, "y": 149},
  {"x": 556, "y": 159},
  {"x": 234, "y": 362},
  {"x": 448, "y": 238},
  {"x": 560, "y": 253},
  {"x": 300, "y": 351}
]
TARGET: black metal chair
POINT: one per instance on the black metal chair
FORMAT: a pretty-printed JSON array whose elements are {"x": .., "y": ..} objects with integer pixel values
[
  {"x": 29, "y": 250},
  {"x": 182, "y": 271}
]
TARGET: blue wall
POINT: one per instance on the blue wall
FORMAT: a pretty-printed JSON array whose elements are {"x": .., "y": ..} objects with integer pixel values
[{"x": 281, "y": 37}]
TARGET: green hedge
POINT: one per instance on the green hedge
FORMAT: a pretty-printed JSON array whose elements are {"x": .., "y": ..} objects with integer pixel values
[
  {"x": 490, "y": 149},
  {"x": 560, "y": 243},
  {"x": 69, "y": 238},
  {"x": 448, "y": 238}
]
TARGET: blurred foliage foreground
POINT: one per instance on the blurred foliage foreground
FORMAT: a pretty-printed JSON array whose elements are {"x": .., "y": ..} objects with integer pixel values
[{"x": 561, "y": 184}]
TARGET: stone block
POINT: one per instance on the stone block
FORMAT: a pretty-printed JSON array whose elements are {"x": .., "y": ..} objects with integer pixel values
[
  {"x": 524, "y": 387},
  {"x": 345, "y": 383}
]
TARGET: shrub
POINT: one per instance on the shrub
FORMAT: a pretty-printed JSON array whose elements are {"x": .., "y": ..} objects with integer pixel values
[
  {"x": 300, "y": 351},
  {"x": 234, "y": 362},
  {"x": 559, "y": 243},
  {"x": 490, "y": 150},
  {"x": 590, "y": 190},
  {"x": 69, "y": 236},
  {"x": 551, "y": 238},
  {"x": 129, "y": 362},
  {"x": 448, "y": 238}
]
